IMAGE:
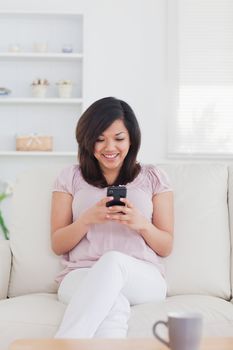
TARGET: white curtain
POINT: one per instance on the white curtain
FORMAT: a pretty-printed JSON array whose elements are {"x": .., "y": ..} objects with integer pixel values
[{"x": 200, "y": 77}]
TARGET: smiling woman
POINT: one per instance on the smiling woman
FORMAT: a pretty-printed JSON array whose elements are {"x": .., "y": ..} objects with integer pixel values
[
  {"x": 111, "y": 254},
  {"x": 109, "y": 138}
]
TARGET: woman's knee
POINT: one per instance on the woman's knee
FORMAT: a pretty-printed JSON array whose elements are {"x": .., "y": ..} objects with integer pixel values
[
  {"x": 113, "y": 257},
  {"x": 71, "y": 283},
  {"x": 114, "y": 261}
]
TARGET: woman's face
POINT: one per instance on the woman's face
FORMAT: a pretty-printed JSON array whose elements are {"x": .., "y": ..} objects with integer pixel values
[{"x": 112, "y": 146}]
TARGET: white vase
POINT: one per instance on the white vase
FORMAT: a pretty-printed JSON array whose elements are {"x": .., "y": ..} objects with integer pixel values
[
  {"x": 40, "y": 47},
  {"x": 39, "y": 91},
  {"x": 65, "y": 90}
]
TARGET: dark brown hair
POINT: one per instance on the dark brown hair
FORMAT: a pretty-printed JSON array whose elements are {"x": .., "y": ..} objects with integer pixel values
[{"x": 93, "y": 122}]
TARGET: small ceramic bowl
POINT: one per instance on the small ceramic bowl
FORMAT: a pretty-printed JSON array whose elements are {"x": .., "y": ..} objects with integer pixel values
[{"x": 4, "y": 91}]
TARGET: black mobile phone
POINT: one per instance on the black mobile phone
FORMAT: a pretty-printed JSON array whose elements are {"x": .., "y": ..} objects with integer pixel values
[{"x": 117, "y": 192}]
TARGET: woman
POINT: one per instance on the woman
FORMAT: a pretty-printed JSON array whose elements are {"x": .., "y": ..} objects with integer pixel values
[{"x": 112, "y": 255}]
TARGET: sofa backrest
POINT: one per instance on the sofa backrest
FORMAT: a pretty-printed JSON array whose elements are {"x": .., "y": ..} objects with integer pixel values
[
  {"x": 34, "y": 264},
  {"x": 199, "y": 263}
]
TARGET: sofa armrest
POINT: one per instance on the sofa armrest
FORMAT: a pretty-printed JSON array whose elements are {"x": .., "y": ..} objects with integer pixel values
[{"x": 5, "y": 267}]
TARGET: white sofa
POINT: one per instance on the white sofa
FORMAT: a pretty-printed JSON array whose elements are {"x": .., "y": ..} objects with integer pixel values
[{"x": 199, "y": 271}]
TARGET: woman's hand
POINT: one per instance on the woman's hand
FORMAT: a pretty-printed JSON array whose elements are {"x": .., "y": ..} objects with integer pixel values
[
  {"x": 127, "y": 215},
  {"x": 96, "y": 214}
]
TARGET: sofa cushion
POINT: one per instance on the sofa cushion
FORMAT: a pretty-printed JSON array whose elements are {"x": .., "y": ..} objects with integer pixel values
[
  {"x": 39, "y": 315},
  {"x": 29, "y": 316},
  {"x": 217, "y": 315},
  {"x": 35, "y": 266},
  {"x": 200, "y": 261}
]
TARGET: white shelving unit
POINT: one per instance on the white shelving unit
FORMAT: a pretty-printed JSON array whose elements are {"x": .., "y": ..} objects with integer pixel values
[
  {"x": 20, "y": 113},
  {"x": 32, "y": 154},
  {"x": 30, "y": 100},
  {"x": 37, "y": 55}
]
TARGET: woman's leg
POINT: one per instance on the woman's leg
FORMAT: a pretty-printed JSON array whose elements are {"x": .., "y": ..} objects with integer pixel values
[
  {"x": 71, "y": 283},
  {"x": 144, "y": 284},
  {"x": 98, "y": 304},
  {"x": 115, "y": 324},
  {"x": 93, "y": 300}
]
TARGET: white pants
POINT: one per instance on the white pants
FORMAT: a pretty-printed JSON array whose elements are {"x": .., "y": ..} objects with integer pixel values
[{"x": 100, "y": 297}]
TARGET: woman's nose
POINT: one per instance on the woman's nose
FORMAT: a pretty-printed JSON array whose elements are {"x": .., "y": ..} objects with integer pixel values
[{"x": 110, "y": 144}]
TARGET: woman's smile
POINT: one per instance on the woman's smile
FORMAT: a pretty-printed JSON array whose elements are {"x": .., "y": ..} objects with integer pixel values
[{"x": 111, "y": 156}]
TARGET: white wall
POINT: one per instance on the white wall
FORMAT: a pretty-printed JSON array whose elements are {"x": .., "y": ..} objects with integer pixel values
[{"x": 125, "y": 57}]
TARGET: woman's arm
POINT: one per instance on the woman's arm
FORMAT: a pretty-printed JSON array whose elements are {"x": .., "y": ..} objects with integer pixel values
[
  {"x": 65, "y": 234},
  {"x": 159, "y": 234}
]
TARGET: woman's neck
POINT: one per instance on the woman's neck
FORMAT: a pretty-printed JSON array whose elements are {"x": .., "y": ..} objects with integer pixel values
[{"x": 111, "y": 177}]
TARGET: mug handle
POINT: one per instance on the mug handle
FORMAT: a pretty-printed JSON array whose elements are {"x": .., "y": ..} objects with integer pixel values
[{"x": 156, "y": 334}]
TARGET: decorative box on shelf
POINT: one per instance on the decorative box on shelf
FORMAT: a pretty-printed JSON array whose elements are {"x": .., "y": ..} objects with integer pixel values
[{"x": 34, "y": 143}]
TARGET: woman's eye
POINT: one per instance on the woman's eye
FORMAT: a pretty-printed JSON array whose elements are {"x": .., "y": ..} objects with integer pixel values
[{"x": 102, "y": 140}]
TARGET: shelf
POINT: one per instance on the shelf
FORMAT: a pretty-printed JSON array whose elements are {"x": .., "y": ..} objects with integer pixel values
[
  {"x": 34, "y": 153},
  {"x": 48, "y": 100},
  {"x": 40, "y": 55},
  {"x": 38, "y": 14}
]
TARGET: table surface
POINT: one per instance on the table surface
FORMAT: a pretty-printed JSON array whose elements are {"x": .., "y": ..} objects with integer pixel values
[{"x": 215, "y": 343}]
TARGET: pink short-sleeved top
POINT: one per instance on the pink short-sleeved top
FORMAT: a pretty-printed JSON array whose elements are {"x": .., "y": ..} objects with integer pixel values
[{"x": 102, "y": 238}]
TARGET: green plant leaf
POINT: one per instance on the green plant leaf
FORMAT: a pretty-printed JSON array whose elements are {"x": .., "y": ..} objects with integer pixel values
[
  {"x": 2, "y": 196},
  {"x": 3, "y": 227}
]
